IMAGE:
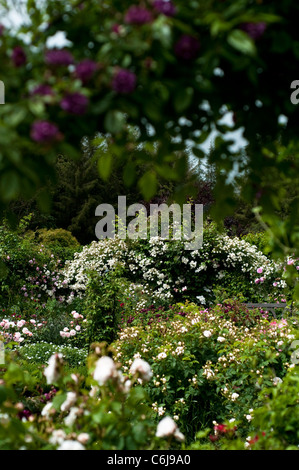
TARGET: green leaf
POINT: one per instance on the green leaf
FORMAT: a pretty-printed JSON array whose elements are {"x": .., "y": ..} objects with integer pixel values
[
  {"x": 37, "y": 108},
  {"x": 58, "y": 400},
  {"x": 242, "y": 42}
]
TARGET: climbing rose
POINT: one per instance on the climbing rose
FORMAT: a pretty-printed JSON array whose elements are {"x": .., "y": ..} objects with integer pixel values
[
  {"x": 59, "y": 57},
  {"x": 18, "y": 56},
  {"x": 124, "y": 81},
  {"x": 44, "y": 132},
  {"x": 187, "y": 47},
  {"x": 138, "y": 15},
  {"x": 254, "y": 30},
  {"x": 74, "y": 103}
]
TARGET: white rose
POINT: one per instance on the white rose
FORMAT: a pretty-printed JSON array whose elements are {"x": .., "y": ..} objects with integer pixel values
[{"x": 220, "y": 339}]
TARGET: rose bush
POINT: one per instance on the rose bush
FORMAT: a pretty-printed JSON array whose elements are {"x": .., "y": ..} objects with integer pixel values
[{"x": 208, "y": 367}]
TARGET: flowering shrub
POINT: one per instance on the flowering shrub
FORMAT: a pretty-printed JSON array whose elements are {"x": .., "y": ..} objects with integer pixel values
[{"x": 157, "y": 387}]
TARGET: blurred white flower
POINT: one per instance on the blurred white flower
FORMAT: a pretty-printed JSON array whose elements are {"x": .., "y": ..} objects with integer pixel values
[
  {"x": 201, "y": 299},
  {"x": 46, "y": 409},
  {"x": 71, "y": 418},
  {"x": 71, "y": 445},
  {"x": 277, "y": 380},
  {"x": 57, "y": 437},
  {"x": 83, "y": 438},
  {"x": 220, "y": 339},
  {"x": 105, "y": 370},
  {"x": 69, "y": 402}
]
